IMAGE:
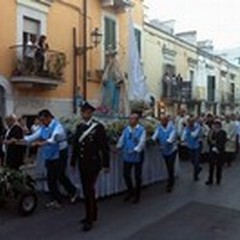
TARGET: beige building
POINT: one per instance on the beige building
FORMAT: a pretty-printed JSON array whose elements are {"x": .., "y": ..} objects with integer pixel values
[
  {"x": 184, "y": 73},
  {"x": 25, "y": 85}
]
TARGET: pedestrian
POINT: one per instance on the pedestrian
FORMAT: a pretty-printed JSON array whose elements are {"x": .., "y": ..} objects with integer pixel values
[
  {"x": 91, "y": 154},
  {"x": 36, "y": 125},
  {"x": 13, "y": 152},
  {"x": 181, "y": 122},
  {"x": 51, "y": 139},
  {"x": 132, "y": 143},
  {"x": 217, "y": 139},
  {"x": 230, "y": 128},
  {"x": 204, "y": 147},
  {"x": 166, "y": 136},
  {"x": 191, "y": 137}
]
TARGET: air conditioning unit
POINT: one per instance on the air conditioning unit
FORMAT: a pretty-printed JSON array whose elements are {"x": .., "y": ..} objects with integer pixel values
[
  {"x": 45, "y": 2},
  {"x": 107, "y": 3},
  {"x": 117, "y": 3}
]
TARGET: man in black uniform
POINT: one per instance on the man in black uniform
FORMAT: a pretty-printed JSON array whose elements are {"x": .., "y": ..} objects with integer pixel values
[{"x": 91, "y": 152}]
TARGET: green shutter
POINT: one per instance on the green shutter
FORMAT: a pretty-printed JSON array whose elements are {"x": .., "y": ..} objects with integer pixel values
[
  {"x": 110, "y": 33},
  {"x": 138, "y": 39}
]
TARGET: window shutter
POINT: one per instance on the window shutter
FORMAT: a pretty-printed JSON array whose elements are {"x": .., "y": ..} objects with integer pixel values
[
  {"x": 110, "y": 33},
  {"x": 31, "y": 26}
]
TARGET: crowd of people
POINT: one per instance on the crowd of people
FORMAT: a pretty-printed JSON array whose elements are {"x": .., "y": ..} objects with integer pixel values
[{"x": 201, "y": 139}]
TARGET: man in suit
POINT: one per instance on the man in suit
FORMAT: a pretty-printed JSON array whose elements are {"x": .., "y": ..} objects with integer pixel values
[
  {"x": 13, "y": 151},
  {"x": 91, "y": 153}
]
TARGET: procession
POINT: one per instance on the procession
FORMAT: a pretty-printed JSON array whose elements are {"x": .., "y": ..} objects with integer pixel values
[
  {"x": 119, "y": 120},
  {"x": 199, "y": 140}
]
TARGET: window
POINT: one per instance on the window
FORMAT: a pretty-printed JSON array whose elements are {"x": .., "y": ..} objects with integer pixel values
[
  {"x": 138, "y": 36},
  {"x": 30, "y": 27},
  {"x": 211, "y": 88},
  {"x": 191, "y": 76},
  {"x": 110, "y": 34},
  {"x": 232, "y": 92}
]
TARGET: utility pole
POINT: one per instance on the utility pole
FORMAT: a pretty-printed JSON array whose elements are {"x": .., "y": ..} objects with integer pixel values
[{"x": 85, "y": 49}]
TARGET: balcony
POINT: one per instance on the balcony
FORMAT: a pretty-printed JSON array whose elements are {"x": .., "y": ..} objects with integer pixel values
[
  {"x": 117, "y": 5},
  {"x": 228, "y": 99},
  {"x": 32, "y": 72},
  {"x": 176, "y": 90}
]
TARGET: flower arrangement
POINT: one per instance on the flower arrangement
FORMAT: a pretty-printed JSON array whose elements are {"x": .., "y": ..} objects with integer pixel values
[{"x": 114, "y": 126}]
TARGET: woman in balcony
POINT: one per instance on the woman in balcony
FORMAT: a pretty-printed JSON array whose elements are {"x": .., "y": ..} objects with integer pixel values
[{"x": 40, "y": 53}]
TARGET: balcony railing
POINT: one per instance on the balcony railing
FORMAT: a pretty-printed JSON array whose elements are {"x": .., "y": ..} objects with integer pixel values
[
  {"x": 177, "y": 91},
  {"x": 48, "y": 69},
  {"x": 117, "y": 4}
]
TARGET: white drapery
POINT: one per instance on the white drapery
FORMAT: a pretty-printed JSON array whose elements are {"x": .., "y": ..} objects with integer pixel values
[{"x": 137, "y": 87}]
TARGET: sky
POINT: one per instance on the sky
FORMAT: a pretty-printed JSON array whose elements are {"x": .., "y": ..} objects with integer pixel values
[{"x": 217, "y": 20}]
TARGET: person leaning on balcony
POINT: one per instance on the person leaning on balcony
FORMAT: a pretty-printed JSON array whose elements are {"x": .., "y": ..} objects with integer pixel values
[
  {"x": 51, "y": 139},
  {"x": 30, "y": 52},
  {"x": 42, "y": 47},
  {"x": 132, "y": 143},
  {"x": 14, "y": 152},
  {"x": 91, "y": 154},
  {"x": 166, "y": 136}
]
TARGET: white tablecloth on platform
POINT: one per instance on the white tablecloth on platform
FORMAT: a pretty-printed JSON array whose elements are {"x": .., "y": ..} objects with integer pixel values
[{"x": 154, "y": 170}]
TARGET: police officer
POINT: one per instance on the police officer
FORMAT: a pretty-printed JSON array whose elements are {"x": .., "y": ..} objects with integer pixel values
[{"x": 91, "y": 153}]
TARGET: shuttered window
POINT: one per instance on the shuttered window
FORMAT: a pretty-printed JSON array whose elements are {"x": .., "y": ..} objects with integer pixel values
[
  {"x": 138, "y": 36},
  {"x": 110, "y": 34},
  {"x": 211, "y": 88}
]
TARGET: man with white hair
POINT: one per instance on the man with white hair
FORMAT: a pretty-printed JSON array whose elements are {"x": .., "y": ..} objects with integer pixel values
[{"x": 14, "y": 153}]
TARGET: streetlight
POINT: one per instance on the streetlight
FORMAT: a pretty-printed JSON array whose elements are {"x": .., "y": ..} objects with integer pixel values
[{"x": 96, "y": 38}]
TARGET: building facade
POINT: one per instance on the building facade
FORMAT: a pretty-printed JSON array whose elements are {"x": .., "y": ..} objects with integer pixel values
[
  {"x": 183, "y": 73},
  {"x": 25, "y": 86}
]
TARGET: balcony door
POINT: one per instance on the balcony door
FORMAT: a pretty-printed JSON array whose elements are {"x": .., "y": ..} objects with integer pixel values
[
  {"x": 2, "y": 102},
  {"x": 211, "y": 88}
]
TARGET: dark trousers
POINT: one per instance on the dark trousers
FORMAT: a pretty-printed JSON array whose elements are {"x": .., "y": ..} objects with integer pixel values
[
  {"x": 127, "y": 174},
  {"x": 63, "y": 179},
  {"x": 89, "y": 179},
  {"x": 194, "y": 156},
  {"x": 170, "y": 164},
  {"x": 229, "y": 157},
  {"x": 215, "y": 164},
  {"x": 53, "y": 174}
]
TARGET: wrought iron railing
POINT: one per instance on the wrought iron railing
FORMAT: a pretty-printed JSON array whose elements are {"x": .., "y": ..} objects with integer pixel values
[
  {"x": 178, "y": 92},
  {"x": 50, "y": 65}
]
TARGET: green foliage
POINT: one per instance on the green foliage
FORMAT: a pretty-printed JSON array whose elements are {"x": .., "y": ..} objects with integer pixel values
[{"x": 13, "y": 182}]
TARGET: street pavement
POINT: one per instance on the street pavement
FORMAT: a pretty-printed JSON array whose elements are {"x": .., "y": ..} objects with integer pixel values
[{"x": 193, "y": 211}]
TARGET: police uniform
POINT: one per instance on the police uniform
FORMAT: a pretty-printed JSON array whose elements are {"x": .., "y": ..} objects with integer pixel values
[{"x": 91, "y": 153}]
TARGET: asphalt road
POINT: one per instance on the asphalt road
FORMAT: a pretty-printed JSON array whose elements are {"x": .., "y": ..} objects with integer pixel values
[{"x": 157, "y": 212}]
